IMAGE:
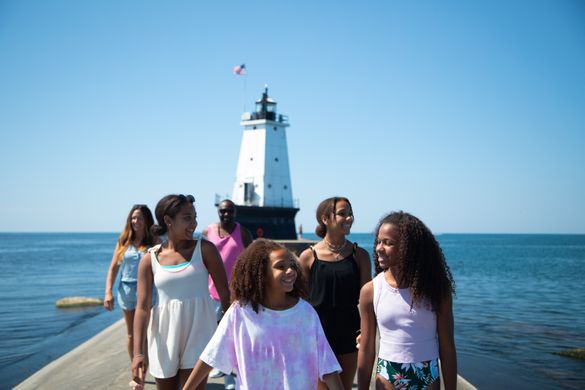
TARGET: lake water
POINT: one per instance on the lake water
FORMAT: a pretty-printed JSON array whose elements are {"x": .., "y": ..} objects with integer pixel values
[{"x": 519, "y": 299}]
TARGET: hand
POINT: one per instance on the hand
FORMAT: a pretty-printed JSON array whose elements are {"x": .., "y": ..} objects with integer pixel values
[
  {"x": 138, "y": 372},
  {"x": 357, "y": 341},
  {"x": 135, "y": 385},
  {"x": 109, "y": 302}
]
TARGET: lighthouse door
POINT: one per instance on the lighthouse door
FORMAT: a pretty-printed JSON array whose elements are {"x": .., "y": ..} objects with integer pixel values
[{"x": 248, "y": 193}]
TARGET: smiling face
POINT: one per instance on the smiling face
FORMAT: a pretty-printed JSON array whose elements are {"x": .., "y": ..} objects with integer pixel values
[
  {"x": 227, "y": 212},
  {"x": 387, "y": 245},
  {"x": 341, "y": 218},
  {"x": 183, "y": 225},
  {"x": 137, "y": 221},
  {"x": 281, "y": 272}
]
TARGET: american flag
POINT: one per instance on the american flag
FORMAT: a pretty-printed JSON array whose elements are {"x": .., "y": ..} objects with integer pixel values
[{"x": 240, "y": 69}]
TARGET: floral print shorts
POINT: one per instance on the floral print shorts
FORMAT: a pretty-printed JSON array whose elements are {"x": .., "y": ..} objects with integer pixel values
[{"x": 411, "y": 376}]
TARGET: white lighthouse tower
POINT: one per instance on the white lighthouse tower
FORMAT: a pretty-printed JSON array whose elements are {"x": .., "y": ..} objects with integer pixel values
[
  {"x": 262, "y": 190},
  {"x": 263, "y": 174}
]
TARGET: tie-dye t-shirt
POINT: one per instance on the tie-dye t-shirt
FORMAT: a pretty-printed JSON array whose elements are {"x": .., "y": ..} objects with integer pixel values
[{"x": 271, "y": 349}]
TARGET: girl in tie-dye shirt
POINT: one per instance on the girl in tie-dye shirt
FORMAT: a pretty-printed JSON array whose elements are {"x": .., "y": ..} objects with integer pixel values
[{"x": 270, "y": 336}]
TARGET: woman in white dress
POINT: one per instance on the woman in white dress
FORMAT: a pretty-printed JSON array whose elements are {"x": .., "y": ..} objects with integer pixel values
[{"x": 183, "y": 319}]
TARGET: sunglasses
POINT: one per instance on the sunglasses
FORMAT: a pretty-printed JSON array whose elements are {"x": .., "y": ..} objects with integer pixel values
[{"x": 190, "y": 198}]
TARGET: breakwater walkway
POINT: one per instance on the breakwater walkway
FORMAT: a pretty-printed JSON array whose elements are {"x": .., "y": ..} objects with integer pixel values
[{"x": 102, "y": 363}]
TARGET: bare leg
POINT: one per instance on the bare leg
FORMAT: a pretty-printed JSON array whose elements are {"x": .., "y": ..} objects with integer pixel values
[
  {"x": 129, "y": 318},
  {"x": 184, "y": 375},
  {"x": 383, "y": 384},
  {"x": 167, "y": 383}
]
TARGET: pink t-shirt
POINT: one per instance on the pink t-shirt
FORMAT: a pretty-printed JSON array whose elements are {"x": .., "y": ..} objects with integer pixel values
[
  {"x": 271, "y": 349},
  {"x": 229, "y": 248}
]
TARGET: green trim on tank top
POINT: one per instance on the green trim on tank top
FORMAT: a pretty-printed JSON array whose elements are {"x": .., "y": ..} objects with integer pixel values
[{"x": 176, "y": 265}]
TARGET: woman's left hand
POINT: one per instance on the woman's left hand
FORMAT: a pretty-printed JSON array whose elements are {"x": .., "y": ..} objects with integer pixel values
[{"x": 109, "y": 302}]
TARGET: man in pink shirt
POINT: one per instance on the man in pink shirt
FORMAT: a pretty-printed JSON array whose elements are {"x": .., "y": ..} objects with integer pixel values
[{"x": 230, "y": 238}]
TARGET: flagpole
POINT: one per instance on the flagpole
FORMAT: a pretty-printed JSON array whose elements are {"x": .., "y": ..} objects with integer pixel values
[
  {"x": 240, "y": 70},
  {"x": 245, "y": 90}
]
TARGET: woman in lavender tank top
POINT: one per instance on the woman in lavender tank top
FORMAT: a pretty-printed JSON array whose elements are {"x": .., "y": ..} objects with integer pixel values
[{"x": 410, "y": 302}]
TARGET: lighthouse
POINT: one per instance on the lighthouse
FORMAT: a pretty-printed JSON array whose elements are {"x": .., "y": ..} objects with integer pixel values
[{"x": 262, "y": 190}]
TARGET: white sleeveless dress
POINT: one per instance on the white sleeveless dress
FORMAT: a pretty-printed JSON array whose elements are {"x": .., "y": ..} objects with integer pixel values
[{"x": 183, "y": 320}]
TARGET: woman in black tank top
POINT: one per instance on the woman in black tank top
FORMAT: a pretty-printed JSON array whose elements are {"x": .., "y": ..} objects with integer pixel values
[{"x": 336, "y": 270}]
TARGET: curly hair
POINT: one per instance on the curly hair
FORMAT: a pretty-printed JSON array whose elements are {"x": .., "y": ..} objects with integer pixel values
[
  {"x": 128, "y": 235},
  {"x": 422, "y": 266},
  {"x": 248, "y": 283},
  {"x": 326, "y": 208}
]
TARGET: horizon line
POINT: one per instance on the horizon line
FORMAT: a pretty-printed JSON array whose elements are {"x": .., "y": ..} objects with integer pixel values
[{"x": 313, "y": 234}]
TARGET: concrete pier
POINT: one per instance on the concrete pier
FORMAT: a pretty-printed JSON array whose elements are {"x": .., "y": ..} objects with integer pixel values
[{"x": 103, "y": 363}]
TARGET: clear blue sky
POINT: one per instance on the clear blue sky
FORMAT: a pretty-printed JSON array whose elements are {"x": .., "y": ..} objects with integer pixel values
[{"x": 470, "y": 115}]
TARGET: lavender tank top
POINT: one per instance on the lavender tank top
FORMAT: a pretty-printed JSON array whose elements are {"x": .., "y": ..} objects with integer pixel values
[{"x": 406, "y": 336}]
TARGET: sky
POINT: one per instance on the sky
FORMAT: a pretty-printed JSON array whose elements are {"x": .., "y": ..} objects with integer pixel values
[{"x": 469, "y": 115}]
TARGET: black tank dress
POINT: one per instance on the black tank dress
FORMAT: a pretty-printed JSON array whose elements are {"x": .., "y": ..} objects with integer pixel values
[{"x": 335, "y": 291}]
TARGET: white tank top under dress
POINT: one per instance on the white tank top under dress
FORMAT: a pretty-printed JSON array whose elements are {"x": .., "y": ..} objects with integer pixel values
[
  {"x": 183, "y": 320},
  {"x": 406, "y": 336}
]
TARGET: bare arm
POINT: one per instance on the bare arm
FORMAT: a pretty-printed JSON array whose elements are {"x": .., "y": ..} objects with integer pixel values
[
  {"x": 141, "y": 317},
  {"x": 214, "y": 265},
  {"x": 333, "y": 381},
  {"x": 204, "y": 233},
  {"x": 246, "y": 236},
  {"x": 110, "y": 279},
  {"x": 367, "y": 351},
  {"x": 447, "y": 351},
  {"x": 306, "y": 260},
  {"x": 363, "y": 260},
  {"x": 198, "y": 374}
]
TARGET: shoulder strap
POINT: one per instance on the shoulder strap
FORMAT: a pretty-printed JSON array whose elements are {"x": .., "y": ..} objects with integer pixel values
[
  {"x": 153, "y": 258},
  {"x": 354, "y": 248},
  {"x": 377, "y": 290},
  {"x": 155, "y": 248},
  {"x": 197, "y": 251},
  {"x": 312, "y": 248}
]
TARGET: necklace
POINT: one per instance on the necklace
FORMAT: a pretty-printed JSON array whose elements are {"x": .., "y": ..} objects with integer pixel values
[{"x": 335, "y": 249}]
